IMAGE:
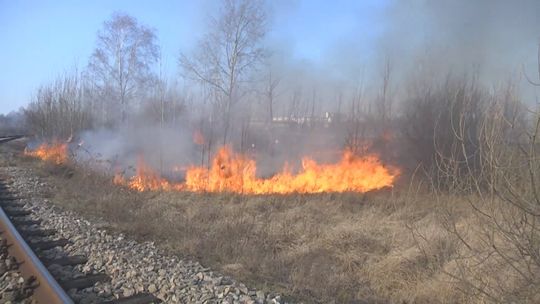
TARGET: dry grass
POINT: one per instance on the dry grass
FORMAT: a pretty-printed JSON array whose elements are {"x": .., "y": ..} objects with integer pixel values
[{"x": 384, "y": 247}]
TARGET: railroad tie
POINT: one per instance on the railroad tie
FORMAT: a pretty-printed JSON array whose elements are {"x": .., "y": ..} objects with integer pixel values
[
  {"x": 66, "y": 261},
  {"x": 84, "y": 282},
  {"x": 45, "y": 245},
  {"x": 11, "y": 198},
  {"x": 25, "y": 222},
  {"x": 37, "y": 232},
  {"x": 16, "y": 212},
  {"x": 12, "y": 204},
  {"x": 140, "y": 298}
]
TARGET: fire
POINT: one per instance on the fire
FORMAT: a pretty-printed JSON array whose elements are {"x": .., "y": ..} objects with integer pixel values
[
  {"x": 146, "y": 179},
  {"x": 55, "y": 152},
  {"x": 229, "y": 173},
  {"x": 236, "y": 173}
]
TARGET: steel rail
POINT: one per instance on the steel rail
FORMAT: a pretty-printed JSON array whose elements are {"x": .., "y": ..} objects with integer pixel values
[{"x": 48, "y": 290}]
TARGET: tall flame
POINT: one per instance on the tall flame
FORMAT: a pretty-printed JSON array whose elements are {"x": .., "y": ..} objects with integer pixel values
[
  {"x": 55, "y": 152},
  {"x": 235, "y": 173}
]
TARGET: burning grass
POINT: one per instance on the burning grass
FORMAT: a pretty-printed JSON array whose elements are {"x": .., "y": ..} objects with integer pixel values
[
  {"x": 54, "y": 152},
  {"x": 235, "y": 173},
  {"x": 385, "y": 246}
]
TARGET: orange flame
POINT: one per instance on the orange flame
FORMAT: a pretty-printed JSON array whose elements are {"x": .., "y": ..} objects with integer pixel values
[
  {"x": 236, "y": 173},
  {"x": 55, "y": 152},
  {"x": 146, "y": 179}
]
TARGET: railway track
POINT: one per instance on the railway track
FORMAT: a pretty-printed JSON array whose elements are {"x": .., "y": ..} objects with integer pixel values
[
  {"x": 24, "y": 244},
  {"x": 30, "y": 246}
]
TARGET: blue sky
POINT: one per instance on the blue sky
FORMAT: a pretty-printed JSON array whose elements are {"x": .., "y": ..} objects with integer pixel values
[{"x": 41, "y": 39}]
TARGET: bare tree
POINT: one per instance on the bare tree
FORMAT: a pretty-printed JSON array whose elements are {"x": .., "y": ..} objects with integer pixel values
[
  {"x": 534, "y": 83},
  {"x": 356, "y": 136},
  {"x": 121, "y": 63},
  {"x": 164, "y": 104},
  {"x": 229, "y": 52},
  {"x": 272, "y": 83},
  {"x": 384, "y": 100},
  {"x": 60, "y": 108},
  {"x": 295, "y": 103}
]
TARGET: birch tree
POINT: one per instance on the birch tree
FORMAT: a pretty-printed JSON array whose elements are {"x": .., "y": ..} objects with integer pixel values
[
  {"x": 121, "y": 64},
  {"x": 228, "y": 53}
]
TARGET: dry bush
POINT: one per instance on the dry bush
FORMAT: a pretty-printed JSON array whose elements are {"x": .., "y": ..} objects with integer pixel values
[
  {"x": 60, "y": 108},
  {"x": 431, "y": 114},
  {"x": 498, "y": 260}
]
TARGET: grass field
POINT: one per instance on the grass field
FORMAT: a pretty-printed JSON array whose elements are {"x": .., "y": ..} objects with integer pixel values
[{"x": 390, "y": 246}]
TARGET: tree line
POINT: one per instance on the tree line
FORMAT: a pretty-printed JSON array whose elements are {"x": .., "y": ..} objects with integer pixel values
[
  {"x": 229, "y": 80},
  {"x": 124, "y": 75}
]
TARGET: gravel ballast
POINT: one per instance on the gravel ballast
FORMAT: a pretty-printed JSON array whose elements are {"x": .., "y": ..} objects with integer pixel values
[{"x": 134, "y": 267}]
